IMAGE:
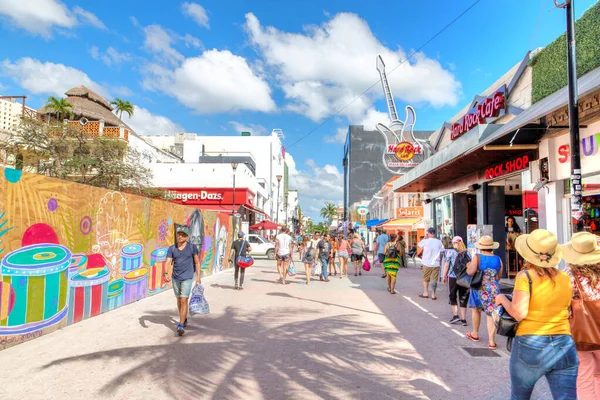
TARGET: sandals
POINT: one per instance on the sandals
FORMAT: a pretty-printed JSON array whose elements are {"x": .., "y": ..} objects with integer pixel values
[
  {"x": 470, "y": 336},
  {"x": 355, "y": 274},
  {"x": 360, "y": 273},
  {"x": 492, "y": 347},
  {"x": 433, "y": 298},
  {"x": 393, "y": 292},
  {"x": 389, "y": 290},
  {"x": 423, "y": 297}
]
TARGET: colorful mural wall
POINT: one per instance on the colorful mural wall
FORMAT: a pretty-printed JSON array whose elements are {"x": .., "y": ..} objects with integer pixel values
[{"x": 70, "y": 252}]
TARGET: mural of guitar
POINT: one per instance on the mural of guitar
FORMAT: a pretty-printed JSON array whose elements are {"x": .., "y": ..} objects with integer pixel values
[{"x": 403, "y": 151}]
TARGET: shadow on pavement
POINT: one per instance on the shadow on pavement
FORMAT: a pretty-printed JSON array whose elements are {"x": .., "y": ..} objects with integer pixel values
[
  {"x": 219, "y": 286},
  {"x": 321, "y": 302},
  {"x": 234, "y": 354},
  {"x": 158, "y": 319}
]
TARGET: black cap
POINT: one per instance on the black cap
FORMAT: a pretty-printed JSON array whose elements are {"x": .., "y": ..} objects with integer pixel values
[{"x": 431, "y": 231}]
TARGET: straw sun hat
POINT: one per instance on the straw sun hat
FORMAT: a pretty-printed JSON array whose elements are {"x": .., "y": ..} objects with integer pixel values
[
  {"x": 582, "y": 249},
  {"x": 540, "y": 248},
  {"x": 487, "y": 243}
]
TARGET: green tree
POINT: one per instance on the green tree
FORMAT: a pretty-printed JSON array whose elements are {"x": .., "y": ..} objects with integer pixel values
[
  {"x": 67, "y": 153},
  {"x": 329, "y": 211},
  {"x": 60, "y": 107},
  {"x": 121, "y": 107}
]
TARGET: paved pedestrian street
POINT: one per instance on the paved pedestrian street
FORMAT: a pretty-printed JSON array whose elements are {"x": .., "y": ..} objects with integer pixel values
[{"x": 346, "y": 339}]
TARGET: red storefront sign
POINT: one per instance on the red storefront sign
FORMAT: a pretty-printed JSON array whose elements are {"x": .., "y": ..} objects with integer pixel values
[
  {"x": 508, "y": 167},
  {"x": 489, "y": 108},
  {"x": 209, "y": 196}
]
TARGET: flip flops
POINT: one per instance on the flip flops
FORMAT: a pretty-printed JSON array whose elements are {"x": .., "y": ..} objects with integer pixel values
[
  {"x": 423, "y": 297},
  {"x": 492, "y": 347},
  {"x": 470, "y": 336}
]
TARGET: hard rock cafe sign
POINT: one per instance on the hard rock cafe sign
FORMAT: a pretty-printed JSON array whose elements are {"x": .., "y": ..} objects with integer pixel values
[{"x": 403, "y": 151}]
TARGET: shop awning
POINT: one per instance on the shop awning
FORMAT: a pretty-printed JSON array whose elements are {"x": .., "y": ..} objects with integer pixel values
[
  {"x": 256, "y": 210},
  {"x": 374, "y": 222},
  {"x": 451, "y": 162},
  {"x": 399, "y": 223}
]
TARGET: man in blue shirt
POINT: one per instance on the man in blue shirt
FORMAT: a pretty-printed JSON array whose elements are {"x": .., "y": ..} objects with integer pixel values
[
  {"x": 380, "y": 243},
  {"x": 183, "y": 257}
]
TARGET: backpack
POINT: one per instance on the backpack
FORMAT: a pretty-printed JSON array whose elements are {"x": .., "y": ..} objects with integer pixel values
[
  {"x": 310, "y": 252},
  {"x": 325, "y": 250},
  {"x": 392, "y": 252},
  {"x": 460, "y": 264}
]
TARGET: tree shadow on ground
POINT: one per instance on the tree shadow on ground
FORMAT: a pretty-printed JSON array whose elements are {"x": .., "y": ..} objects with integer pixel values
[
  {"x": 234, "y": 353},
  {"x": 286, "y": 295},
  {"x": 219, "y": 286}
]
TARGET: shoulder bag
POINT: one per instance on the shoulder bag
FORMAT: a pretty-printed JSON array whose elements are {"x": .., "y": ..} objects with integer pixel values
[
  {"x": 244, "y": 261},
  {"x": 470, "y": 281},
  {"x": 506, "y": 325},
  {"x": 585, "y": 321}
]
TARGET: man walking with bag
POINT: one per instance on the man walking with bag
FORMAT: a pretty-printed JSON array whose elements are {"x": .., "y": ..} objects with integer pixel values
[
  {"x": 182, "y": 257},
  {"x": 240, "y": 247}
]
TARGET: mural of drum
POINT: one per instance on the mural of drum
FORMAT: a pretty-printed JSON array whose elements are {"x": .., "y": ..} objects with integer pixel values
[
  {"x": 88, "y": 294},
  {"x": 78, "y": 264},
  {"x": 136, "y": 285},
  {"x": 131, "y": 257},
  {"x": 115, "y": 294},
  {"x": 156, "y": 281},
  {"x": 36, "y": 278}
]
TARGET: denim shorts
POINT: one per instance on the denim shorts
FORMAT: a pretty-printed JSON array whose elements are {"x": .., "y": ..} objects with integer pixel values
[{"x": 183, "y": 288}]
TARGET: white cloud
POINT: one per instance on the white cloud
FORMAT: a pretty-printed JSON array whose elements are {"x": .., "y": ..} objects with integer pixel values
[
  {"x": 38, "y": 16},
  {"x": 95, "y": 53},
  {"x": 48, "y": 78},
  {"x": 325, "y": 68},
  {"x": 316, "y": 185},
  {"x": 144, "y": 123},
  {"x": 191, "y": 41},
  {"x": 197, "y": 13},
  {"x": 111, "y": 57},
  {"x": 159, "y": 42},
  {"x": 255, "y": 129},
  {"x": 214, "y": 82},
  {"x": 88, "y": 18}
]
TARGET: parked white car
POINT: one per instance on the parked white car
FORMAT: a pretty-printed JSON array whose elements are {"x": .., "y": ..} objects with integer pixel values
[{"x": 260, "y": 247}]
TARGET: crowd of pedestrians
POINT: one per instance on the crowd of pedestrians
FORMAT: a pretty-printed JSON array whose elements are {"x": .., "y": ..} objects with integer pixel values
[{"x": 557, "y": 309}]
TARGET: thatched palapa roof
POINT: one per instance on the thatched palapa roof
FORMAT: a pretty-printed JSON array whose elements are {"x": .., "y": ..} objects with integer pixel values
[{"x": 88, "y": 104}]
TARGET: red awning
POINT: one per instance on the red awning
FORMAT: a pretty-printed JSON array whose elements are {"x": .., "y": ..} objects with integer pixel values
[
  {"x": 216, "y": 207},
  {"x": 226, "y": 208}
]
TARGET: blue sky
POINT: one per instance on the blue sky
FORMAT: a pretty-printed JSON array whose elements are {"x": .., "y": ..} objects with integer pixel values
[{"x": 215, "y": 67}]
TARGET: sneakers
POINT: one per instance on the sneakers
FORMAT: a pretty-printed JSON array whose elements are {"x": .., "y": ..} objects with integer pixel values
[
  {"x": 180, "y": 330},
  {"x": 454, "y": 319},
  {"x": 185, "y": 323},
  {"x": 463, "y": 322}
]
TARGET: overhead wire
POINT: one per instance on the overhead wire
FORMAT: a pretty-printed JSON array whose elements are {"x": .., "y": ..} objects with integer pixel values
[{"x": 392, "y": 70}]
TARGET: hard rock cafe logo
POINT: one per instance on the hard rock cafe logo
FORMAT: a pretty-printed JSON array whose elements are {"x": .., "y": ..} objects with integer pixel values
[{"x": 403, "y": 150}]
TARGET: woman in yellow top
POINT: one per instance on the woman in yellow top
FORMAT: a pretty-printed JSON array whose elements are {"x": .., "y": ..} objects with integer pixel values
[{"x": 543, "y": 345}]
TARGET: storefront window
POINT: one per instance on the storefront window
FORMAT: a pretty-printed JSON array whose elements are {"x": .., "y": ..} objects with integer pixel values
[{"x": 443, "y": 216}]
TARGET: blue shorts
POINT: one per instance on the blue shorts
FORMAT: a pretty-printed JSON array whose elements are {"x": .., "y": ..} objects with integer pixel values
[{"x": 183, "y": 288}]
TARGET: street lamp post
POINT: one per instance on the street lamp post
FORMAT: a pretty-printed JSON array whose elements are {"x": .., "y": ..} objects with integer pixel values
[
  {"x": 234, "y": 166},
  {"x": 576, "y": 185},
  {"x": 278, "y": 184}
]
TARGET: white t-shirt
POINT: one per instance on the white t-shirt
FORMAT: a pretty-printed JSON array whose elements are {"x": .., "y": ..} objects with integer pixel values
[
  {"x": 432, "y": 248},
  {"x": 284, "y": 241}
]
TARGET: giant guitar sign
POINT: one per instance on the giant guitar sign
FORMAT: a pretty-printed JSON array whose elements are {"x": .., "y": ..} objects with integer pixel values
[{"x": 403, "y": 151}]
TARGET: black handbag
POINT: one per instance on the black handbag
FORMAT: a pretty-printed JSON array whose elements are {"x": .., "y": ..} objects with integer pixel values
[
  {"x": 477, "y": 280},
  {"x": 470, "y": 281},
  {"x": 506, "y": 325}
]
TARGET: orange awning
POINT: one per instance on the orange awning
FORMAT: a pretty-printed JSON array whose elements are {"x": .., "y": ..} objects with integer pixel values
[{"x": 400, "y": 223}]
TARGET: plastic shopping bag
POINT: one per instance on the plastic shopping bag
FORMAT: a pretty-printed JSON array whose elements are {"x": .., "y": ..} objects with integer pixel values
[
  {"x": 367, "y": 265},
  {"x": 198, "y": 303},
  {"x": 292, "y": 269}
]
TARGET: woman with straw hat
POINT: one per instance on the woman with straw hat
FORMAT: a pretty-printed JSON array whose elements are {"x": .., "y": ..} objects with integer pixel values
[
  {"x": 543, "y": 345},
  {"x": 483, "y": 298},
  {"x": 583, "y": 255}
]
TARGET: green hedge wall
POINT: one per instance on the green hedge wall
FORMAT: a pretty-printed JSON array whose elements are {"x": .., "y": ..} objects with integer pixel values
[{"x": 550, "y": 64}]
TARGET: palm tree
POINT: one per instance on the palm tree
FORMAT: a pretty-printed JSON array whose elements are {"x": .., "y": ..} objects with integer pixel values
[
  {"x": 122, "y": 107},
  {"x": 329, "y": 211},
  {"x": 61, "y": 107}
]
